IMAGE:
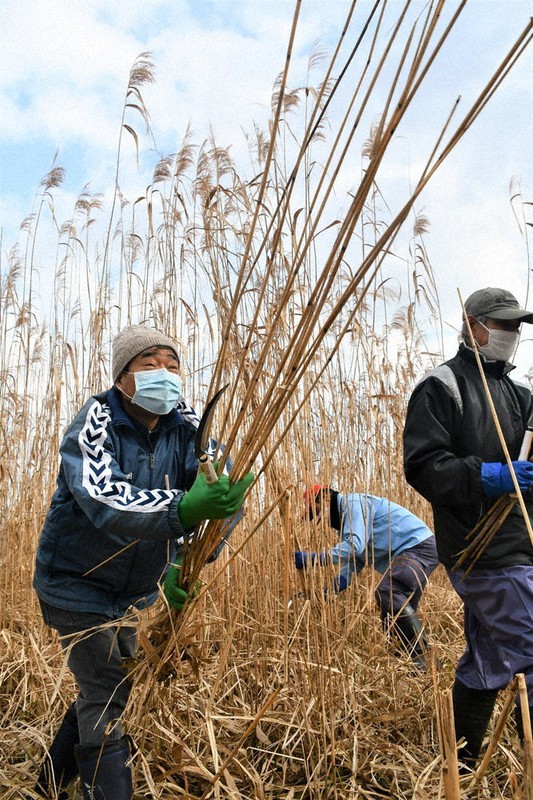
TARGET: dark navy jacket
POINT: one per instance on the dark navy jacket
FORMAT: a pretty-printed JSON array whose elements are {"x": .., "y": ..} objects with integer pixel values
[
  {"x": 449, "y": 432},
  {"x": 112, "y": 525}
]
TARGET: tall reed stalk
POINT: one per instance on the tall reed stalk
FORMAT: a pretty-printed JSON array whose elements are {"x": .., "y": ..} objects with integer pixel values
[{"x": 321, "y": 315}]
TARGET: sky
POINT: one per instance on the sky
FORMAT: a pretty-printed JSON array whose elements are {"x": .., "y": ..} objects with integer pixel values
[{"x": 65, "y": 66}]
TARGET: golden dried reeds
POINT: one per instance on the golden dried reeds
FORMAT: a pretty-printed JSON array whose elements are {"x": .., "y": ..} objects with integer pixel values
[{"x": 259, "y": 690}]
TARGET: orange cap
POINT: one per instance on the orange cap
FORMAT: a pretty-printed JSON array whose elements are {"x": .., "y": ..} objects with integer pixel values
[{"x": 311, "y": 492}]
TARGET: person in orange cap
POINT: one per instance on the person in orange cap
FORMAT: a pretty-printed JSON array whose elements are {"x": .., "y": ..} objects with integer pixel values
[{"x": 376, "y": 532}]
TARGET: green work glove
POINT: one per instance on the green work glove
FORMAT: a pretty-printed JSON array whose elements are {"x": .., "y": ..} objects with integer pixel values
[
  {"x": 212, "y": 500},
  {"x": 175, "y": 594}
]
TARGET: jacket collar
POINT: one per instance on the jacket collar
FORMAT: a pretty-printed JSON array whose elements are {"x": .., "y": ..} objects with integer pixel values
[
  {"x": 497, "y": 369},
  {"x": 335, "y": 518}
]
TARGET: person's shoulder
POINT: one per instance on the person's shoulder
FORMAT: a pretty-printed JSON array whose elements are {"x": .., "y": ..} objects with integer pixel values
[
  {"x": 444, "y": 381},
  {"x": 520, "y": 385},
  {"x": 362, "y": 498},
  {"x": 523, "y": 390},
  {"x": 99, "y": 400},
  {"x": 90, "y": 416},
  {"x": 186, "y": 417},
  {"x": 445, "y": 373}
]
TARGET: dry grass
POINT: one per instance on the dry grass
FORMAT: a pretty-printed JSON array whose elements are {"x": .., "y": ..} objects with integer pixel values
[
  {"x": 348, "y": 718},
  {"x": 270, "y": 690}
]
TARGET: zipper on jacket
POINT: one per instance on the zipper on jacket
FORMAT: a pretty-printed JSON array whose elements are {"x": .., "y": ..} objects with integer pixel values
[
  {"x": 151, "y": 463},
  {"x": 151, "y": 460}
]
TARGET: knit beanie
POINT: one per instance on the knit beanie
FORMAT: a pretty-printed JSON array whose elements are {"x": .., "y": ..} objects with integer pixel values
[{"x": 133, "y": 340}]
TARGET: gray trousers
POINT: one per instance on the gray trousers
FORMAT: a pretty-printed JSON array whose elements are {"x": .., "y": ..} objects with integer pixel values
[{"x": 96, "y": 647}]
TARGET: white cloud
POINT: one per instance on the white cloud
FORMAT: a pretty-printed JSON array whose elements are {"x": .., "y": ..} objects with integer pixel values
[{"x": 56, "y": 41}]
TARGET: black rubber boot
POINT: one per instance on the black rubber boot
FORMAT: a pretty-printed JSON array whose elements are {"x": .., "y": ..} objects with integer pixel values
[
  {"x": 60, "y": 766},
  {"x": 472, "y": 710},
  {"x": 104, "y": 771},
  {"x": 410, "y": 632}
]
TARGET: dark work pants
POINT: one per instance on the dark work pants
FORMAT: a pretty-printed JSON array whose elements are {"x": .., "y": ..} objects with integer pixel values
[
  {"x": 498, "y": 625},
  {"x": 406, "y": 578},
  {"x": 96, "y": 647}
]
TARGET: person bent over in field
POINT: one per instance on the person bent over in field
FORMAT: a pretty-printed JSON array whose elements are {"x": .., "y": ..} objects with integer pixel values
[{"x": 377, "y": 532}]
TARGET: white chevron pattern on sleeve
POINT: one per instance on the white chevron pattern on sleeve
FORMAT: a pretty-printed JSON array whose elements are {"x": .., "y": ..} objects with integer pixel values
[{"x": 97, "y": 474}]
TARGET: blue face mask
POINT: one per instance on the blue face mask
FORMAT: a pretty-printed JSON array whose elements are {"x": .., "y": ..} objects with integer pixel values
[{"x": 156, "y": 390}]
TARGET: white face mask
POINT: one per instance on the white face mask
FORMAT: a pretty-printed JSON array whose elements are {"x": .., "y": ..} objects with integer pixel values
[{"x": 501, "y": 344}]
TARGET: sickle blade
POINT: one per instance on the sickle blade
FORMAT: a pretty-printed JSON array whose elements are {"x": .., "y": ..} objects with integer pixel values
[{"x": 203, "y": 431}]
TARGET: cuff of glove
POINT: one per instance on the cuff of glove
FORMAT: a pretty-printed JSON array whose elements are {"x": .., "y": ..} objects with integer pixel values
[
  {"x": 179, "y": 530},
  {"x": 491, "y": 479},
  {"x": 187, "y": 514},
  {"x": 496, "y": 479}
]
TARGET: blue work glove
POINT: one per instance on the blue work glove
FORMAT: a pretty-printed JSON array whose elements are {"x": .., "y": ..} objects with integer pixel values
[
  {"x": 496, "y": 478},
  {"x": 302, "y": 560},
  {"x": 174, "y": 592}
]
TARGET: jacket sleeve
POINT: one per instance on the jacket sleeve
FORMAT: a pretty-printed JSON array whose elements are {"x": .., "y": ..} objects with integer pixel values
[
  {"x": 431, "y": 441},
  {"x": 352, "y": 544},
  {"x": 98, "y": 485}
]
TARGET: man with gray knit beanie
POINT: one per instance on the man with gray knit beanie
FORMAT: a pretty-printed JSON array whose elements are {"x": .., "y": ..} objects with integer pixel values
[{"x": 128, "y": 492}]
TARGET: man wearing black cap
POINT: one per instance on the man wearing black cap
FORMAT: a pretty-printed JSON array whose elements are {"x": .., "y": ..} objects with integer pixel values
[
  {"x": 453, "y": 456},
  {"x": 128, "y": 491}
]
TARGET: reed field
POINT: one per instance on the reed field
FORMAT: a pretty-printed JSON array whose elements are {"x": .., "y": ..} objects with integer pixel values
[{"x": 295, "y": 281}]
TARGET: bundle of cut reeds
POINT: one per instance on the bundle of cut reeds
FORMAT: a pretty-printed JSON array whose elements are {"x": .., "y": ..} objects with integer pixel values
[{"x": 278, "y": 695}]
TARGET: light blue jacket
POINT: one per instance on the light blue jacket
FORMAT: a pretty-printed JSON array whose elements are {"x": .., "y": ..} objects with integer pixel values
[
  {"x": 373, "y": 531},
  {"x": 113, "y": 527}
]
